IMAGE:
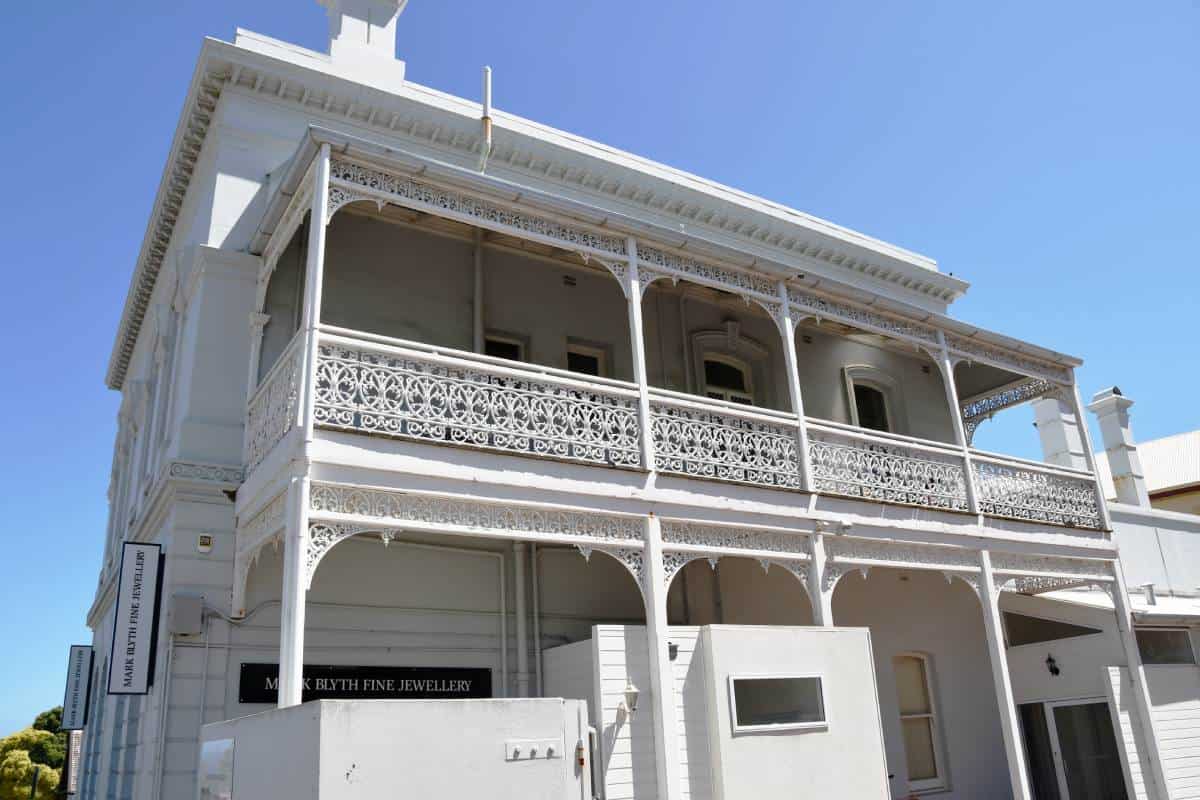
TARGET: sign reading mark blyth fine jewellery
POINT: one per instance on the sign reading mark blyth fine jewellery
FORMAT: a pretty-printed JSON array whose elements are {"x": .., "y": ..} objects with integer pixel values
[
  {"x": 135, "y": 627},
  {"x": 259, "y": 683},
  {"x": 79, "y": 682}
]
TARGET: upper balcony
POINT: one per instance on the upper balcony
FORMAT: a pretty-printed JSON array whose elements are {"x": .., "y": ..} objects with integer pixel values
[{"x": 447, "y": 317}]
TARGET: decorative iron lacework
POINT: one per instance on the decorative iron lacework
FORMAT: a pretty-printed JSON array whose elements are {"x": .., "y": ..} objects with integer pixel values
[
  {"x": 205, "y": 472},
  {"x": 889, "y": 473},
  {"x": 891, "y": 553},
  {"x": 415, "y": 398},
  {"x": 408, "y": 192},
  {"x": 1016, "y": 492},
  {"x": 265, "y": 526},
  {"x": 834, "y": 572},
  {"x": 399, "y": 508},
  {"x": 1055, "y": 566},
  {"x": 979, "y": 409},
  {"x": 1008, "y": 359},
  {"x": 673, "y": 563},
  {"x": 735, "y": 280},
  {"x": 340, "y": 196},
  {"x": 633, "y": 560},
  {"x": 810, "y": 304},
  {"x": 274, "y": 407},
  {"x": 710, "y": 444},
  {"x": 693, "y": 534}
]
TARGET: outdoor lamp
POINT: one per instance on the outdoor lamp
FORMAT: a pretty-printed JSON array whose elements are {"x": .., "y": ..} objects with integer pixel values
[{"x": 629, "y": 704}]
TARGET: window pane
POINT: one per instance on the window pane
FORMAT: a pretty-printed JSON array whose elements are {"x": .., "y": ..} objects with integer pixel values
[
  {"x": 1165, "y": 646},
  {"x": 918, "y": 748},
  {"x": 777, "y": 701},
  {"x": 1023, "y": 629},
  {"x": 725, "y": 376},
  {"x": 872, "y": 410},
  {"x": 911, "y": 688},
  {"x": 498, "y": 348},
  {"x": 582, "y": 362}
]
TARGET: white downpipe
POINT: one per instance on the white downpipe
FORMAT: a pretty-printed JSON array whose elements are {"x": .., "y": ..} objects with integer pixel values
[
  {"x": 160, "y": 765},
  {"x": 485, "y": 147}
]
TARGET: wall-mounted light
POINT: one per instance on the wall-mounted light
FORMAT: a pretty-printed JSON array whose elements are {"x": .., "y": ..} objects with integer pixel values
[
  {"x": 629, "y": 704},
  {"x": 1052, "y": 665}
]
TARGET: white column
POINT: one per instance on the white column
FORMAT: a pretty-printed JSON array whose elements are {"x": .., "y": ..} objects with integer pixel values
[
  {"x": 662, "y": 678},
  {"x": 788, "y": 330},
  {"x": 522, "y": 615},
  {"x": 637, "y": 339},
  {"x": 1141, "y": 692},
  {"x": 822, "y": 601},
  {"x": 1010, "y": 725},
  {"x": 313, "y": 277},
  {"x": 291, "y": 622},
  {"x": 258, "y": 322},
  {"x": 946, "y": 366}
]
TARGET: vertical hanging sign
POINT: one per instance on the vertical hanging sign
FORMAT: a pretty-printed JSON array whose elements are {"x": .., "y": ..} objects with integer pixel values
[
  {"x": 74, "y": 761},
  {"x": 79, "y": 681},
  {"x": 135, "y": 627}
]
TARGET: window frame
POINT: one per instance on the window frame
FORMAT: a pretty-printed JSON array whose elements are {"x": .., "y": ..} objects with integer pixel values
[
  {"x": 520, "y": 342},
  {"x": 874, "y": 378},
  {"x": 726, "y": 393},
  {"x": 737, "y": 729},
  {"x": 941, "y": 781},
  {"x": 591, "y": 350},
  {"x": 1187, "y": 632}
]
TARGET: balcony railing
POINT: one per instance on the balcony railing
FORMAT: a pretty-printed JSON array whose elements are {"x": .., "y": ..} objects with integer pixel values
[{"x": 409, "y": 390}]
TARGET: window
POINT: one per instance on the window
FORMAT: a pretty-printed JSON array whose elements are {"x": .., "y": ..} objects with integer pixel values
[
  {"x": 874, "y": 398},
  {"x": 871, "y": 406},
  {"x": 772, "y": 703},
  {"x": 587, "y": 359},
  {"x": 1165, "y": 645},
  {"x": 918, "y": 722},
  {"x": 728, "y": 379},
  {"x": 507, "y": 347},
  {"x": 1021, "y": 629}
]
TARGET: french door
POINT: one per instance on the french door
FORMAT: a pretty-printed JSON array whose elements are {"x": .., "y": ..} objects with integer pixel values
[{"x": 1072, "y": 751}]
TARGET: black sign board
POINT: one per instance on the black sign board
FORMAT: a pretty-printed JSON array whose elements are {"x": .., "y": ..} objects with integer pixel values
[{"x": 259, "y": 683}]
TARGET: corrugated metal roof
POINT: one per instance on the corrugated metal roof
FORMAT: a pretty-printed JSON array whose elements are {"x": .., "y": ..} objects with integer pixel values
[{"x": 1169, "y": 463}]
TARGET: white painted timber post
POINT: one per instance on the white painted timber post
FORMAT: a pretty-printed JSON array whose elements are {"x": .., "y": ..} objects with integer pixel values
[
  {"x": 295, "y": 587},
  {"x": 477, "y": 330},
  {"x": 1089, "y": 455},
  {"x": 314, "y": 275},
  {"x": 637, "y": 339},
  {"x": 1010, "y": 726},
  {"x": 946, "y": 367},
  {"x": 662, "y": 677},
  {"x": 519, "y": 611},
  {"x": 258, "y": 323},
  {"x": 822, "y": 600},
  {"x": 788, "y": 330},
  {"x": 1137, "y": 674}
]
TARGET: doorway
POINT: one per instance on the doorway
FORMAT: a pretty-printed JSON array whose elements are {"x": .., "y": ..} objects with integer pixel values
[{"x": 1072, "y": 751}]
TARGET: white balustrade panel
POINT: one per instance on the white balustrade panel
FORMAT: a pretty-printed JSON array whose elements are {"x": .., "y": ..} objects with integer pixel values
[
  {"x": 274, "y": 407},
  {"x": 726, "y": 445},
  {"x": 891, "y": 471},
  {"x": 1031, "y": 492},
  {"x": 435, "y": 398}
]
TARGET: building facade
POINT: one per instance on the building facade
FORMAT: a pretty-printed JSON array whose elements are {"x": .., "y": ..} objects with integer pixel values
[{"x": 408, "y": 383}]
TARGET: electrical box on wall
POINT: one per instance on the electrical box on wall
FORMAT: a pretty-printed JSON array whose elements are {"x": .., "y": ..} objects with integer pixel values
[{"x": 186, "y": 615}]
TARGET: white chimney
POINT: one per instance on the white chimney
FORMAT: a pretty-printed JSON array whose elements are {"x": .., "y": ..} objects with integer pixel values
[
  {"x": 362, "y": 37},
  {"x": 1062, "y": 444},
  {"x": 1112, "y": 412}
]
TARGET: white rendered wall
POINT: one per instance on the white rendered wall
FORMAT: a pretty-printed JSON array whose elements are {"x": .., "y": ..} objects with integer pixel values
[
  {"x": 918, "y": 611},
  {"x": 1158, "y": 547}
]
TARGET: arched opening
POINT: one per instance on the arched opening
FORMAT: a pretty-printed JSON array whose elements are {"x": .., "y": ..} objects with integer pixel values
[
  {"x": 737, "y": 591},
  {"x": 937, "y": 699},
  {"x": 713, "y": 344}
]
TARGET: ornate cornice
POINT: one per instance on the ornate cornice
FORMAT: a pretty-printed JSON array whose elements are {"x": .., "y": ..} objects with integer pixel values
[{"x": 214, "y": 473}]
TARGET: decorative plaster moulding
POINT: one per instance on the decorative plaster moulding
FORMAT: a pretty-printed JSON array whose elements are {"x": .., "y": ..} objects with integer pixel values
[{"x": 699, "y": 213}]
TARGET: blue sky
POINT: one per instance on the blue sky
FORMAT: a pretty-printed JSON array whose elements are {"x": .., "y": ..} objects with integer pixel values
[{"x": 1046, "y": 152}]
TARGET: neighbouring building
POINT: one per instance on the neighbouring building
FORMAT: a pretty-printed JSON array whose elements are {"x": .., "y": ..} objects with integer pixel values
[{"x": 556, "y": 472}]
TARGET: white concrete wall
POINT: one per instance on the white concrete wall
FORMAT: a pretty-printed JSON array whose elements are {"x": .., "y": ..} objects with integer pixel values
[{"x": 845, "y": 759}]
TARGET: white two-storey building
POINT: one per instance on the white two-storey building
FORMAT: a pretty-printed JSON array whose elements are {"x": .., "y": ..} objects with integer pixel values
[{"x": 428, "y": 401}]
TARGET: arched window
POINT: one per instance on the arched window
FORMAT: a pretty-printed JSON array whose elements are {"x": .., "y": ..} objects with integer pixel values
[
  {"x": 728, "y": 378},
  {"x": 874, "y": 399}
]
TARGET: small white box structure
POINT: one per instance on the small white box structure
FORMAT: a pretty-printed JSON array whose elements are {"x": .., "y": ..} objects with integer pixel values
[
  {"x": 358, "y": 749},
  {"x": 809, "y": 723}
]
